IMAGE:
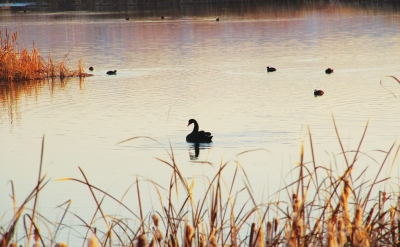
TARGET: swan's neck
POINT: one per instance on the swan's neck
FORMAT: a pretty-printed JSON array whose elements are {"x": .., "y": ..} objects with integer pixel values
[{"x": 196, "y": 127}]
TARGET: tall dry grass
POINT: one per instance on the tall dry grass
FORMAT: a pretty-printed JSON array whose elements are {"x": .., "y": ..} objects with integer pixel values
[
  {"x": 17, "y": 64},
  {"x": 322, "y": 209}
]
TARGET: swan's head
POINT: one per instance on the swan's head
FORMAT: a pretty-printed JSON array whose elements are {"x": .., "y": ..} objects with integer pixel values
[{"x": 191, "y": 121}]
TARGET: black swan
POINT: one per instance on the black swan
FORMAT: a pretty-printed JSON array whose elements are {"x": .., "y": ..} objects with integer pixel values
[
  {"x": 198, "y": 136},
  {"x": 111, "y": 72},
  {"x": 329, "y": 71},
  {"x": 318, "y": 92},
  {"x": 271, "y": 69}
]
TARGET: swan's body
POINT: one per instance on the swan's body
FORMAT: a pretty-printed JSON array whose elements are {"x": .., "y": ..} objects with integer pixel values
[
  {"x": 318, "y": 92},
  {"x": 271, "y": 69},
  {"x": 198, "y": 136},
  {"x": 329, "y": 71},
  {"x": 111, "y": 72}
]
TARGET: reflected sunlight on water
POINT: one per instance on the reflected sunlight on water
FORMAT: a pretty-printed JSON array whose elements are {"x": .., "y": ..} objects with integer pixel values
[{"x": 190, "y": 66}]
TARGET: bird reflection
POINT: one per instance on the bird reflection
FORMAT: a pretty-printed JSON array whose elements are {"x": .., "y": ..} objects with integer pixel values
[{"x": 196, "y": 147}]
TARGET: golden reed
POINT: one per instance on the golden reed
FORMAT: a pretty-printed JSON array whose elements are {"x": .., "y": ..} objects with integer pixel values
[{"x": 19, "y": 65}]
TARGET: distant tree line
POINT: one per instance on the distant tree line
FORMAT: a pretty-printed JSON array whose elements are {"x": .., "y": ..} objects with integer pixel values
[
  {"x": 159, "y": 2},
  {"x": 97, "y": 3},
  {"x": 125, "y": 2}
]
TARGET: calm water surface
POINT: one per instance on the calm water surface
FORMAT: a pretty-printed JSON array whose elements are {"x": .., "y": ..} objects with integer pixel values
[{"x": 190, "y": 66}]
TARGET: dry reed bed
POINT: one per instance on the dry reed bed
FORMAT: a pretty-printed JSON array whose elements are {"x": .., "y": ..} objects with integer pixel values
[
  {"x": 342, "y": 212},
  {"x": 19, "y": 65}
]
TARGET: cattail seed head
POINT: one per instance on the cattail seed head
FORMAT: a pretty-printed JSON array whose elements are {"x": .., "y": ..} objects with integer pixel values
[
  {"x": 158, "y": 234},
  {"x": 384, "y": 198},
  {"x": 341, "y": 233},
  {"x": 369, "y": 217},
  {"x": 155, "y": 219},
  {"x": 60, "y": 244},
  {"x": 269, "y": 233},
  {"x": 295, "y": 203},
  {"x": 392, "y": 215},
  {"x": 142, "y": 241},
  {"x": 189, "y": 233},
  {"x": 212, "y": 242},
  {"x": 202, "y": 241},
  {"x": 36, "y": 234},
  {"x": 276, "y": 223},
  {"x": 330, "y": 235},
  {"x": 153, "y": 242},
  {"x": 358, "y": 217},
  {"x": 93, "y": 241},
  {"x": 260, "y": 238},
  {"x": 347, "y": 189},
  {"x": 382, "y": 219}
]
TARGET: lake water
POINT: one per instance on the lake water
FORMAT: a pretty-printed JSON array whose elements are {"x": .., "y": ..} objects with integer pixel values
[{"x": 190, "y": 66}]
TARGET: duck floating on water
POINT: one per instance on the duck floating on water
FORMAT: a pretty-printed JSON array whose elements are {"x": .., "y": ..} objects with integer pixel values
[
  {"x": 329, "y": 71},
  {"x": 198, "y": 136},
  {"x": 91, "y": 68},
  {"x": 318, "y": 92},
  {"x": 270, "y": 69},
  {"x": 111, "y": 72}
]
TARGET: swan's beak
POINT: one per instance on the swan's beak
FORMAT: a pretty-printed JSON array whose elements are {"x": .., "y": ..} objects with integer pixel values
[{"x": 188, "y": 125}]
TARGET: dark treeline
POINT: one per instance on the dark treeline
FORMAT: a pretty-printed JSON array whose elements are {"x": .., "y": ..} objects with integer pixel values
[
  {"x": 141, "y": 2},
  {"x": 93, "y": 3}
]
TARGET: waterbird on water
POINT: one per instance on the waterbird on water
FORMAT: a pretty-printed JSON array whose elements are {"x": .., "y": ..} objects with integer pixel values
[
  {"x": 318, "y": 92},
  {"x": 91, "y": 68},
  {"x": 198, "y": 136},
  {"x": 329, "y": 71},
  {"x": 270, "y": 69},
  {"x": 111, "y": 72}
]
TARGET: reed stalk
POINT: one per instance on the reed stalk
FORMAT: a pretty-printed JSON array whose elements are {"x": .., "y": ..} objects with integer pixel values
[{"x": 17, "y": 64}]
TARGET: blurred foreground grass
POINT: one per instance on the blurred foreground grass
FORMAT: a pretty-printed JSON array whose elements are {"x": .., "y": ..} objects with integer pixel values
[{"x": 322, "y": 210}]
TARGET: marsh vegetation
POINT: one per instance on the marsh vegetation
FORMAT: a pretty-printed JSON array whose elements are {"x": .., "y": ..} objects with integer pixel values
[
  {"x": 17, "y": 64},
  {"x": 321, "y": 209}
]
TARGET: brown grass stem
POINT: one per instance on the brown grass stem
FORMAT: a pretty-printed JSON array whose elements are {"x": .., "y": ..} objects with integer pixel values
[
  {"x": 140, "y": 206},
  {"x": 364, "y": 204},
  {"x": 37, "y": 191},
  {"x": 68, "y": 203}
]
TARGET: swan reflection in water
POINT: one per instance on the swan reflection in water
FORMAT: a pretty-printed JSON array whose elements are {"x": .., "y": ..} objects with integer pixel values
[{"x": 197, "y": 147}]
